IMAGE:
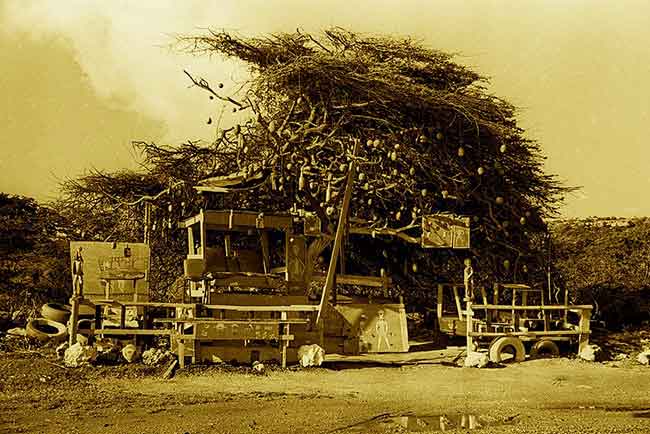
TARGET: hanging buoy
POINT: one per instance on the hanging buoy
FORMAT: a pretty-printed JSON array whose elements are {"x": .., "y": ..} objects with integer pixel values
[
  {"x": 461, "y": 152},
  {"x": 503, "y": 148},
  {"x": 499, "y": 200},
  {"x": 480, "y": 170}
]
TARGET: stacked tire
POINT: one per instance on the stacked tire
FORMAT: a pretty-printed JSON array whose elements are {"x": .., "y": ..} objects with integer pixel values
[{"x": 52, "y": 324}]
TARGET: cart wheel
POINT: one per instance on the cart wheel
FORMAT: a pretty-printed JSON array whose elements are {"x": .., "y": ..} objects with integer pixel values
[
  {"x": 507, "y": 345},
  {"x": 544, "y": 348}
]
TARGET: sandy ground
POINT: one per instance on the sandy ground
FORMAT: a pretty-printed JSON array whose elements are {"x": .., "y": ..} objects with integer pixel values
[{"x": 542, "y": 396}]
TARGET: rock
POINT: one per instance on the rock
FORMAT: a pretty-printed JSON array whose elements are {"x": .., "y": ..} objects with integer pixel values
[
  {"x": 156, "y": 356},
  {"x": 17, "y": 331},
  {"x": 476, "y": 360},
  {"x": 644, "y": 358},
  {"x": 310, "y": 355},
  {"x": 83, "y": 340},
  {"x": 591, "y": 353},
  {"x": 78, "y": 355},
  {"x": 60, "y": 350},
  {"x": 258, "y": 367},
  {"x": 130, "y": 353},
  {"x": 621, "y": 356}
]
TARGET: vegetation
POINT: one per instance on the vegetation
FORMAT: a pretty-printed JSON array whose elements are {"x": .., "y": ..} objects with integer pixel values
[{"x": 432, "y": 139}]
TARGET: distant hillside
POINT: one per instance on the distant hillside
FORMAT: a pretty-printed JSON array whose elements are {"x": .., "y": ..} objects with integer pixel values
[{"x": 605, "y": 261}]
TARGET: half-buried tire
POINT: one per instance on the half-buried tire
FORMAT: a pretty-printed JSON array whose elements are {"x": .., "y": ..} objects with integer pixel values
[
  {"x": 44, "y": 330},
  {"x": 55, "y": 312},
  {"x": 544, "y": 348},
  {"x": 504, "y": 345}
]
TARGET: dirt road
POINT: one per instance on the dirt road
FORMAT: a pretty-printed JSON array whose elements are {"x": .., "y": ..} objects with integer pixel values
[{"x": 544, "y": 396}]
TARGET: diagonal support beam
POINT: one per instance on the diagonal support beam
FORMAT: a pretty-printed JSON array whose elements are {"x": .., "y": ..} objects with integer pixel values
[{"x": 338, "y": 239}]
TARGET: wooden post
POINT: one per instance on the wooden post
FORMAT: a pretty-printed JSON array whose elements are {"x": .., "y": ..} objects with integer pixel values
[
  {"x": 469, "y": 314},
  {"x": 266, "y": 258},
  {"x": 459, "y": 307},
  {"x": 285, "y": 341},
  {"x": 439, "y": 304},
  {"x": 74, "y": 319},
  {"x": 340, "y": 230},
  {"x": 583, "y": 326}
]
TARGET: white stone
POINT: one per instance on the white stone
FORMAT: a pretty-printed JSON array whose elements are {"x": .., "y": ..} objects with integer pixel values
[
  {"x": 258, "y": 367},
  {"x": 310, "y": 355},
  {"x": 644, "y": 358},
  {"x": 17, "y": 332},
  {"x": 78, "y": 355},
  {"x": 590, "y": 353},
  {"x": 130, "y": 353},
  {"x": 476, "y": 359}
]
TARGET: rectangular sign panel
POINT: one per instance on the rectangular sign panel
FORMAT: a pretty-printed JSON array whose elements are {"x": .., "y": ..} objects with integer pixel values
[{"x": 445, "y": 230}]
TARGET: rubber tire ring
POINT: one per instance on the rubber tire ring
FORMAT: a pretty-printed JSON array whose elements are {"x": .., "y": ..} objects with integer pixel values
[
  {"x": 55, "y": 312},
  {"x": 500, "y": 344},
  {"x": 544, "y": 348},
  {"x": 34, "y": 331}
]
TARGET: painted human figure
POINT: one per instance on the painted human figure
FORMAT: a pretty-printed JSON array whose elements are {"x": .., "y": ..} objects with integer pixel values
[
  {"x": 381, "y": 328},
  {"x": 78, "y": 273},
  {"x": 468, "y": 280}
]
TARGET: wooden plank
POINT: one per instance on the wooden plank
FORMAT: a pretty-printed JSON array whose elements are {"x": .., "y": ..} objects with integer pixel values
[
  {"x": 289, "y": 308},
  {"x": 138, "y": 332},
  {"x": 351, "y": 279},
  {"x": 536, "y": 307},
  {"x": 529, "y": 334},
  {"x": 340, "y": 231},
  {"x": 244, "y": 220},
  {"x": 231, "y": 321}
]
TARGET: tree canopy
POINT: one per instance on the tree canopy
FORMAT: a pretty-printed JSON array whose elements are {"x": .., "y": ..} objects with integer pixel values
[{"x": 432, "y": 139}]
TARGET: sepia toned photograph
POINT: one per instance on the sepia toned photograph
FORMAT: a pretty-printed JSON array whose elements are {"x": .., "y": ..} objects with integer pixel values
[{"x": 325, "y": 216}]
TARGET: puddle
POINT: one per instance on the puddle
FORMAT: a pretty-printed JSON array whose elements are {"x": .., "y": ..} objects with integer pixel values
[{"x": 443, "y": 422}]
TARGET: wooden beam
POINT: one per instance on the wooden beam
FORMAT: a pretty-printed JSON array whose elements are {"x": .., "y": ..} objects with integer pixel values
[
  {"x": 340, "y": 231},
  {"x": 540, "y": 334},
  {"x": 266, "y": 259},
  {"x": 537, "y": 307},
  {"x": 351, "y": 279}
]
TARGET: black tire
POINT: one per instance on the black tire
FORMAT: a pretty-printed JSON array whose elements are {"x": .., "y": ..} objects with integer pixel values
[
  {"x": 544, "y": 348},
  {"x": 45, "y": 330},
  {"x": 499, "y": 345},
  {"x": 55, "y": 312}
]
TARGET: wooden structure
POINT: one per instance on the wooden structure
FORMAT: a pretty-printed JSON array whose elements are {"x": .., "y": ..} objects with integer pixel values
[{"x": 527, "y": 318}]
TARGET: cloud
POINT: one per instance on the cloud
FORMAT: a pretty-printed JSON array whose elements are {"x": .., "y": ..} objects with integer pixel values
[{"x": 123, "y": 49}]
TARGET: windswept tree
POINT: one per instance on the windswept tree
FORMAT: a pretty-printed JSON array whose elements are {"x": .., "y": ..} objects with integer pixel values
[{"x": 431, "y": 139}]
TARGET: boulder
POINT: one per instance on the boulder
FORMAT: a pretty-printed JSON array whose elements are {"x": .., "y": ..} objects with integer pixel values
[
  {"x": 130, "y": 353},
  {"x": 258, "y": 367},
  {"x": 591, "y": 353},
  {"x": 60, "y": 350},
  {"x": 476, "y": 360},
  {"x": 644, "y": 357},
  {"x": 156, "y": 356},
  {"x": 310, "y": 355},
  {"x": 78, "y": 355}
]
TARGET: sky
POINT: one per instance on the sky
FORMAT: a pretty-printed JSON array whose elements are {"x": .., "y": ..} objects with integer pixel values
[{"x": 82, "y": 79}]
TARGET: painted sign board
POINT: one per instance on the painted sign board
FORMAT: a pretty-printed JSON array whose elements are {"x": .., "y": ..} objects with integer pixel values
[
  {"x": 123, "y": 266},
  {"x": 236, "y": 331},
  {"x": 445, "y": 230}
]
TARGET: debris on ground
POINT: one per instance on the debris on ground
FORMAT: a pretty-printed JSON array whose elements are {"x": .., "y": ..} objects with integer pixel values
[
  {"x": 310, "y": 355},
  {"x": 169, "y": 372},
  {"x": 258, "y": 367},
  {"x": 17, "y": 331},
  {"x": 156, "y": 356},
  {"x": 60, "y": 350},
  {"x": 591, "y": 353},
  {"x": 79, "y": 355},
  {"x": 130, "y": 353},
  {"x": 644, "y": 358},
  {"x": 476, "y": 360}
]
